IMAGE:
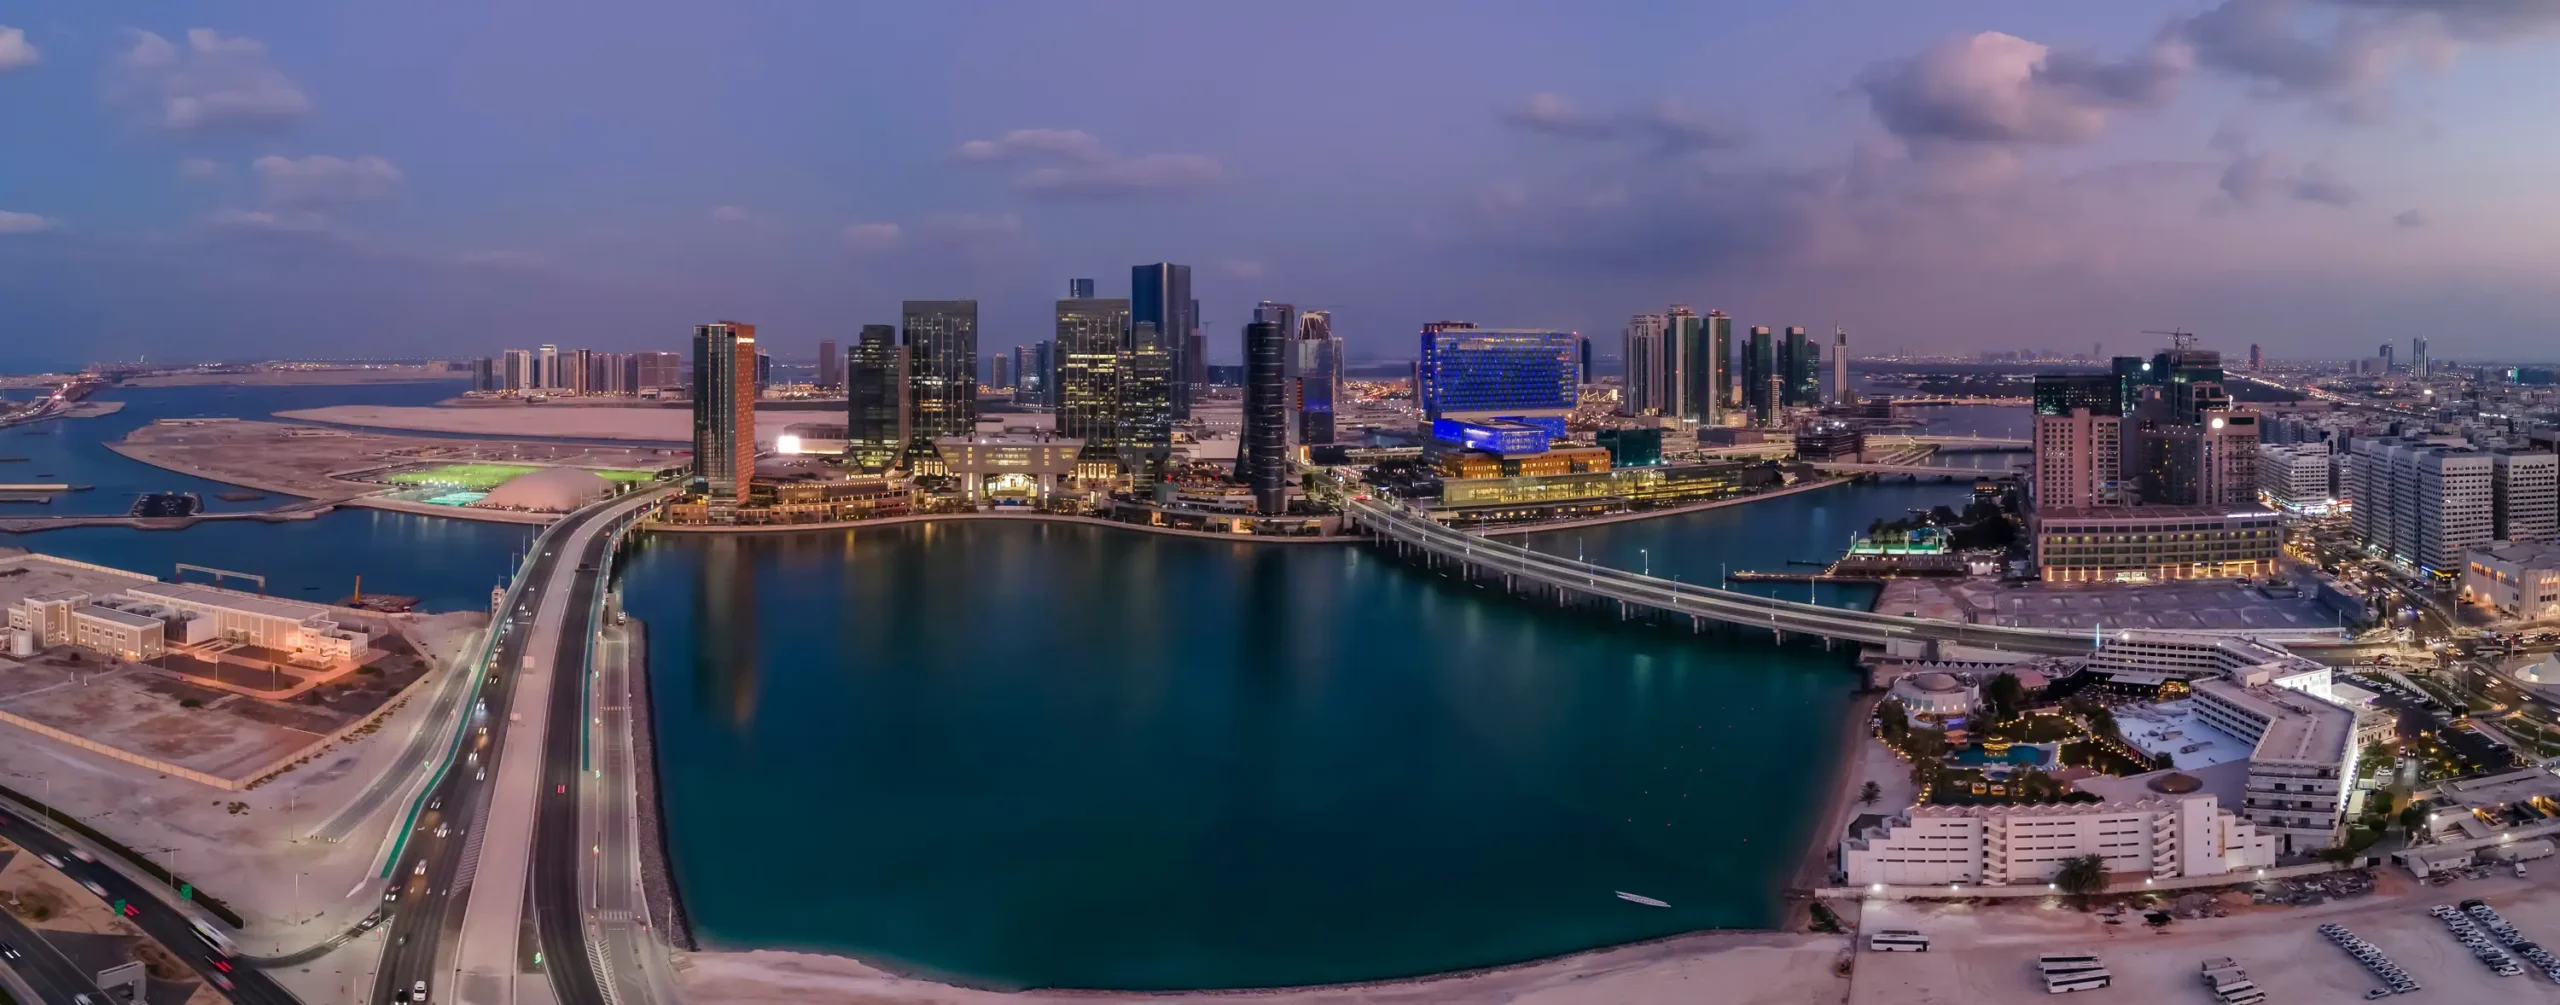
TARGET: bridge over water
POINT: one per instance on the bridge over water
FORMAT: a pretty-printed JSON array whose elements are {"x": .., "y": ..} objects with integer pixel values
[{"x": 1406, "y": 534}]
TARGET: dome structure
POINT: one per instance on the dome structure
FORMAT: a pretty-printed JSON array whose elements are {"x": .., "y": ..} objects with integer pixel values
[
  {"x": 1936, "y": 693},
  {"x": 550, "y": 490},
  {"x": 2174, "y": 783}
]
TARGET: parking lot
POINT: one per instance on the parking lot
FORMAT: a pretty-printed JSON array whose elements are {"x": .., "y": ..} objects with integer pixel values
[{"x": 1984, "y": 953}]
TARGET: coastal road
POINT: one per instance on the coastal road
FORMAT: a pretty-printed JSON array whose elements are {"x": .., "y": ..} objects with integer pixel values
[
  {"x": 435, "y": 876},
  {"x": 163, "y": 923},
  {"x": 559, "y": 854},
  {"x": 633, "y": 954},
  {"x": 52, "y": 976},
  {"x": 527, "y": 778}
]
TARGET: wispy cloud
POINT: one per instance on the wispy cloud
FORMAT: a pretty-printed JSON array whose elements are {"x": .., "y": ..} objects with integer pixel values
[{"x": 215, "y": 80}]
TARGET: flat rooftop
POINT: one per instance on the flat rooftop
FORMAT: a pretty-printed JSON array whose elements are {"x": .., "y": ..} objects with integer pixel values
[
  {"x": 214, "y": 596},
  {"x": 2189, "y": 606},
  {"x": 2174, "y": 728},
  {"x": 2299, "y": 726},
  {"x": 2545, "y": 553},
  {"x": 125, "y": 618}
]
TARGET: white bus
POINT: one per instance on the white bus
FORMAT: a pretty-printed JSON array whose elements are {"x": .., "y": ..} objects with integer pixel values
[
  {"x": 2050, "y": 960},
  {"x": 1894, "y": 940},
  {"x": 2078, "y": 981}
]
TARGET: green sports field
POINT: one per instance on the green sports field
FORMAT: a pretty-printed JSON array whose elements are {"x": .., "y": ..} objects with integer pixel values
[
  {"x": 475, "y": 477},
  {"x": 483, "y": 477}
]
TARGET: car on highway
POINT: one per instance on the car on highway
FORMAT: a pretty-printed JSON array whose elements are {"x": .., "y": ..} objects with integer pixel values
[
  {"x": 390, "y": 895},
  {"x": 84, "y": 856},
  {"x": 93, "y": 887},
  {"x": 218, "y": 963},
  {"x": 51, "y": 860},
  {"x": 8, "y": 952},
  {"x": 221, "y": 982},
  {"x": 418, "y": 991},
  {"x": 421, "y": 870}
]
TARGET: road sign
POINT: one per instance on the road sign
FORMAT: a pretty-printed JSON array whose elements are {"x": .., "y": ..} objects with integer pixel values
[{"x": 186, "y": 891}]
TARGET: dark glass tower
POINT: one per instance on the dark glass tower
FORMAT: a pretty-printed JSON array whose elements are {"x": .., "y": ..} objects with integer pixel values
[
  {"x": 1160, "y": 294},
  {"x": 1079, "y": 287},
  {"x": 1799, "y": 368},
  {"x": 2059, "y": 393},
  {"x": 1088, "y": 343},
  {"x": 830, "y": 366},
  {"x": 875, "y": 395},
  {"x": 724, "y": 415},
  {"x": 1146, "y": 404},
  {"x": 1264, "y": 461},
  {"x": 1760, "y": 380},
  {"x": 941, "y": 338}
]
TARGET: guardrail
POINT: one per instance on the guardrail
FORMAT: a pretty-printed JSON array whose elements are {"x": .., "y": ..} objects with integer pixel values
[{"x": 479, "y": 672}]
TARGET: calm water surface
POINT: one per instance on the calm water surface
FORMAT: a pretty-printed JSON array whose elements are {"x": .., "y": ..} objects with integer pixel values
[{"x": 1030, "y": 755}]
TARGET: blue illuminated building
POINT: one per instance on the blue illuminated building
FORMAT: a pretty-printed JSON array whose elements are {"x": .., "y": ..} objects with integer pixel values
[
  {"x": 1507, "y": 438},
  {"x": 1482, "y": 373}
]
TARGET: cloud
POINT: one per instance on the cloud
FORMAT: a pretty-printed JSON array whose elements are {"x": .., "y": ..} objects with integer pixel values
[
  {"x": 216, "y": 81},
  {"x": 1993, "y": 87},
  {"x": 199, "y": 168},
  {"x": 2471, "y": 20},
  {"x": 1238, "y": 268},
  {"x": 878, "y": 236},
  {"x": 1036, "y": 145},
  {"x": 25, "y": 223},
  {"x": 2409, "y": 219},
  {"x": 1153, "y": 174},
  {"x": 16, "y": 52},
  {"x": 1675, "y": 125},
  {"x": 321, "y": 180},
  {"x": 729, "y": 214},
  {"x": 1074, "y": 164},
  {"x": 501, "y": 259},
  {"x": 1556, "y": 115},
  {"x": 268, "y": 221},
  {"x": 971, "y": 227},
  {"x": 2251, "y": 177}
]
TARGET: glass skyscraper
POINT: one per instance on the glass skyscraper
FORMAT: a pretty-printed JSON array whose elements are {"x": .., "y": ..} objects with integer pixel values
[
  {"x": 1264, "y": 463},
  {"x": 724, "y": 415},
  {"x": 875, "y": 396},
  {"x": 1490, "y": 373},
  {"x": 1160, "y": 294},
  {"x": 1761, "y": 382},
  {"x": 1146, "y": 403},
  {"x": 1088, "y": 360},
  {"x": 941, "y": 338}
]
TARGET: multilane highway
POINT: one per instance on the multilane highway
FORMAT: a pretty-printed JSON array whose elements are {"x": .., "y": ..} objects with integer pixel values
[
  {"x": 448, "y": 862},
  {"x": 163, "y": 922}
]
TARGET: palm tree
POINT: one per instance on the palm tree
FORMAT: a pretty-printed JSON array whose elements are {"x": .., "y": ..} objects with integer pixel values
[
  {"x": 2082, "y": 875},
  {"x": 2004, "y": 693},
  {"x": 1870, "y": 792}
]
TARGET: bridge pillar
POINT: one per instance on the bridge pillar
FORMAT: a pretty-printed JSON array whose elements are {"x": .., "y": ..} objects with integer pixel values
[{"x": 1697, "y": 625}]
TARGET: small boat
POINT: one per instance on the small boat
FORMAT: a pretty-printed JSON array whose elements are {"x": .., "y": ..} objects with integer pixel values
[{"x": 1638, "y": 898}]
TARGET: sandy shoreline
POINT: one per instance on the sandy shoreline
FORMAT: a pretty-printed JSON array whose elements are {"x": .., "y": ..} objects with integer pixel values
[
  {"x": 1814, "y": 871},
  {"x": 1742, "y": 968}
]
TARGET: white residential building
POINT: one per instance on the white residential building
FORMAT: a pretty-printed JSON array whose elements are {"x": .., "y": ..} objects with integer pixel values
[
  {"x": 2519, "y": 579},
  {"x": 2524, "y": 496},
  {"x": 2171, "y": 832},
  {"x": 2295, "y": 477},
  {"x": 2303, "y": 754},
  {"x": 2422, "y": 504}
]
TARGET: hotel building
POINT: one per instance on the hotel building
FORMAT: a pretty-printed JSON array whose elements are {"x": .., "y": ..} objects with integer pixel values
[
  {"x": 2170, "y": 831},
  {"x": 2520, "y": 579}
]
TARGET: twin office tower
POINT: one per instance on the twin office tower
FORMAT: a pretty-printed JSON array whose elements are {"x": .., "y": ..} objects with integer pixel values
[{"x": 1681, "y": 365}]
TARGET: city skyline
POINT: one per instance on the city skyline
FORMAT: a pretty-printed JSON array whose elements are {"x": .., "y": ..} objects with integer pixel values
[{"x": 268, "y": 184}]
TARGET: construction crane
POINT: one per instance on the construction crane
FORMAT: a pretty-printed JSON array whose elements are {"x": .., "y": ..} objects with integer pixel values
[{"x": 2178, "y": 338}]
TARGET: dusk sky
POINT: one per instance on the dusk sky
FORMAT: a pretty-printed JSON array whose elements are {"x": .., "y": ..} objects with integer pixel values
[{"x": 304, "y": 178}]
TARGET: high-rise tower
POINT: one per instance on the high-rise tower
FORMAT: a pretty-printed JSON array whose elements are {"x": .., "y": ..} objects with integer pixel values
[
  {"x": 1641, "y": 393},
  {"x": 724, "y": 415},
  {"x": 877, "y": 412},
  {"x": 941, "y": 338},
  {"x": 1161, "y": 294},
  {"x": 1840, "y": 366},
  {"x": 1264, "y": 462},
  {"x": 1089, "y": 333}
]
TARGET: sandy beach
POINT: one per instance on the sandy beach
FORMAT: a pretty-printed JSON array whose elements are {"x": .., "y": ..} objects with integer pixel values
[
  {"x": 365, "y": 375},
  {"x": 1728, "y": 968}
]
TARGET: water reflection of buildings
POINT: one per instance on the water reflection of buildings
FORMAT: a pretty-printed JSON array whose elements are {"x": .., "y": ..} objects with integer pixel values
[{"x": 724, "y": 614}]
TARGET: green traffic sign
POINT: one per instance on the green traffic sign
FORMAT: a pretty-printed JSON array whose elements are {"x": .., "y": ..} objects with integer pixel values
[{"x": 186, "y": 891}]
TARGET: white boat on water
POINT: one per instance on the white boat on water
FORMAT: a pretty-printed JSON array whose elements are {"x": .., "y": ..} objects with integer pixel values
[{"x": 1638, "y": 898}]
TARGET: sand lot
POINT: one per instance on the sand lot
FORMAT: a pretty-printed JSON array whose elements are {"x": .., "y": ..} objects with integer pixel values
[
  {"x": 1726, "y": 968},
  {"x": 665, "y": 425},
  {"x": 1984, "y": 954}
]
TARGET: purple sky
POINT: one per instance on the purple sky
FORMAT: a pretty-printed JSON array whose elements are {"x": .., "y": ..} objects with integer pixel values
[{"x": 307, "y": 178}]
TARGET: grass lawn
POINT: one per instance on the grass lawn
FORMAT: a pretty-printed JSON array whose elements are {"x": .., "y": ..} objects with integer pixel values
[
  {"x": 475, "y": 477},
  {"x": 625, "y": 476}
]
